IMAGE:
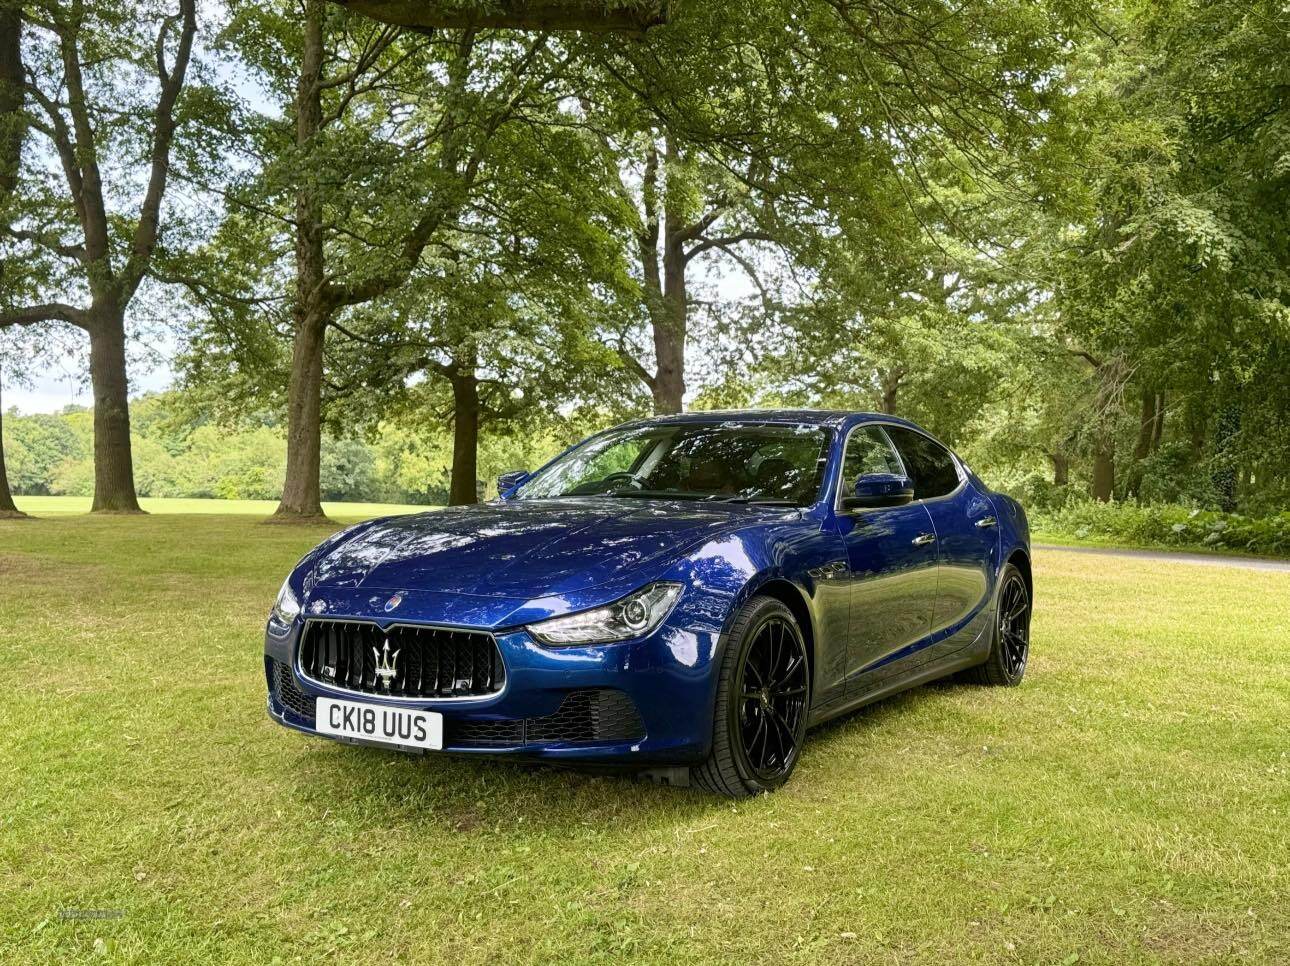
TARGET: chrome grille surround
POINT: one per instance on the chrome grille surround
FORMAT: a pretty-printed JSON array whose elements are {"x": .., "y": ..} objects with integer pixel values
[{"x": 417, "y": 662}]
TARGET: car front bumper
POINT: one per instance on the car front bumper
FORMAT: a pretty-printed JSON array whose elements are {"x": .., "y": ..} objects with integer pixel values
[{"x": 647, "y": 701}]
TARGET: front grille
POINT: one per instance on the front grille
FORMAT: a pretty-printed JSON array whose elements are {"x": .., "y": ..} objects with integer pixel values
[
  {"x": 594, "y": 715},
  {"x": 589, "y": 716},
  {"x": 290, "y": 696},
  {"x": 403, "y": 661}
]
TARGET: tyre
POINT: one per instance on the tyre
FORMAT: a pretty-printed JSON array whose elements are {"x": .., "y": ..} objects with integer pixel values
[
  {"x": 763, "y": 696},
  {"x": 1010, "y": 647}
]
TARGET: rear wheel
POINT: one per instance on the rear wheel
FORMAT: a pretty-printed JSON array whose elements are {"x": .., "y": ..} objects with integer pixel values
[
  {"x": 1010, "y": 648},
  {"x": 763, "y": 696}
]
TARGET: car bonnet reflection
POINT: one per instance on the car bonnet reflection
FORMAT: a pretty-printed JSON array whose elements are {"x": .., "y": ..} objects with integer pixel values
[{"x": 554, "y": 546}]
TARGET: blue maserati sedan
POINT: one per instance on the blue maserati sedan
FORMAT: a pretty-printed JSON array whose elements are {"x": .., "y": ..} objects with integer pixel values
[{"x": 686, "y": 595}]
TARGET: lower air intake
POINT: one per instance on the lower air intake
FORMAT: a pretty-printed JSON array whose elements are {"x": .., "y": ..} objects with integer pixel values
[
  {"x": 590, "y": 716},
  {"x": 290, "y": 696}
]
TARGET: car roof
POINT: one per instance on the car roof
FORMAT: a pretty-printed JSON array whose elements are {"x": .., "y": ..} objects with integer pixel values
[{"x": 818, "y": 417}]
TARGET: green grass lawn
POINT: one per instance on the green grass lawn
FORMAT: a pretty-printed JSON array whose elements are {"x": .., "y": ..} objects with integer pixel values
[{"x": 1128, "y": 803}]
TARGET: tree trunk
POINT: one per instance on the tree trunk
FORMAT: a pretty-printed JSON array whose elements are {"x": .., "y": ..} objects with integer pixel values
[
  {"x": 1109, "y": 375},
  {"x": 1146, "y": 426},
  {"x": 7, "y": 507},
  {"x": 1158, "y": 425},
  {"x": 1103, "y": 473},
  {"x": 1142, "y": 446},
  {"x": 113, "y": 463},
  {"x": 670, "y": 323},
  {"x": 12, "y": 124},
  {"x": 671, "y": 327},
  {"x": 890, "y": 380},
  {"x": 1061, "y": 468},
  {"x": 12, "y": 130},
  {"x": 463, "y": 487},
  {"x": 1223, "y": 478},
  {"x": 301, "y": 496},
  {"x": 666, "y": 298}
]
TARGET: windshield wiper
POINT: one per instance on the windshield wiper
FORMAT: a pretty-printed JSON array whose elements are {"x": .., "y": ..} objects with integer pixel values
[
  {"x": 656, "y": 495},
  {"x": 760, "y": 501}
]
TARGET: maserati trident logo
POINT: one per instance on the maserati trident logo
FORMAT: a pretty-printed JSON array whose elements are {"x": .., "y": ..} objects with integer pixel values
[
  {"x": 393, "y": 602},
  {"x": 387, "y": 664}
]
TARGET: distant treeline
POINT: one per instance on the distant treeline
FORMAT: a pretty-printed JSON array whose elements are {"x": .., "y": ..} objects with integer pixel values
[{"x": 178, "y": 454}]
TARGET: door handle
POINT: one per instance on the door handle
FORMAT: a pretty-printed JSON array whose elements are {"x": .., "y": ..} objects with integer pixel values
[
  {"x": 923, "y": 539},
  {"x": 987, "y": 522}
]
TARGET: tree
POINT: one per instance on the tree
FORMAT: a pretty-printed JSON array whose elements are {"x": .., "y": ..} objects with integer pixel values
[
  {"x": 104, "y": 85},
  {"x": 683, "y": 206},
  {"x": 757, "y": 130},
  {"x": 593, "y": 15},
  {"x": 422, "y": 114},
  {"x": 13, "y": 129},
  {"x": 8, "y": 508},
  {"x": 506, "y": 326},
  {"x": 1169, "y": 257}
]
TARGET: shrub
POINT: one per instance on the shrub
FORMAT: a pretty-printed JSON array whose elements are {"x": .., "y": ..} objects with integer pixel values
[
  {"x": 1037, "y": 492},
  {"x": 1169, "y": 525}
]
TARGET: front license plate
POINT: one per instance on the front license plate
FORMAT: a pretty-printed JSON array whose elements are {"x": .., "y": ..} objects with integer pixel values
[{"x": 375, "y": 722}]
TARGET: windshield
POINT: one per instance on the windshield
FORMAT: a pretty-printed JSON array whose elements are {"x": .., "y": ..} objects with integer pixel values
[{"x": 735, "y": 462}]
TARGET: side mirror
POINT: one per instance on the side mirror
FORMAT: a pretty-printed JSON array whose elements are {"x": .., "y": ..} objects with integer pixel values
[
  {"x": 879, "y": 490},
  {"x": 509, "y": 480}
]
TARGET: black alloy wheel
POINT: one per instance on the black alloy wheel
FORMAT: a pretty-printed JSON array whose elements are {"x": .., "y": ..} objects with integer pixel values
[
  {"x": 1010, "y": 649},
  {"x": 772, "y": 699},
  {"x": 1014, "y": 625},
  {"x": 762, "y": 703}
]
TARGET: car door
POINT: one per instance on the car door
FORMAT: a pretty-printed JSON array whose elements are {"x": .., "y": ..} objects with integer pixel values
[
  {"x": 967, "y": 536},
  {"x": 891, "y": 555}
]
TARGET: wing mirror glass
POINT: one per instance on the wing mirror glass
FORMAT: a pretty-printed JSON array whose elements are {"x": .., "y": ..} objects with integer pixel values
[
  {"x": 510, "y": 480},
  {"x": 879, "y": 490}
]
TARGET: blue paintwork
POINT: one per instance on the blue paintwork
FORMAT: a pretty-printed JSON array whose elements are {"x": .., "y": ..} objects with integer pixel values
[{"x": 879, "y": 613}]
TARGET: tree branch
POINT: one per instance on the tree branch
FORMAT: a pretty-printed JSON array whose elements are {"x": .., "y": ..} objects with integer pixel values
[
  {"x": 1087, "y": 357},
  {"x": 726, "y": 241},
  {"x": 94, "y": 212},
  {"x": 49, "y": 312},
  {"x": 61, "y": 137},
  {"x": 49, "y": 241},
  {"x": 633, "y": 364},
  {"x": 691, "y": 232},
  {"x": 145, "y": 233}
]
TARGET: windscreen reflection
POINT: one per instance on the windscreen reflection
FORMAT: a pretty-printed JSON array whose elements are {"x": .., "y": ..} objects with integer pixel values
[{"x": 732, "y": 462}]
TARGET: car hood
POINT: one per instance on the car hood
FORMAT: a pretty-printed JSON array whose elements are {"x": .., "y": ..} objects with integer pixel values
[{"x": 525, "y": 548}]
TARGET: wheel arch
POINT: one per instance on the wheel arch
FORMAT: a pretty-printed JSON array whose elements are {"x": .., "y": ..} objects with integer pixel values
[
  {"x": 792, "y": 597},
  {"x": 1020, "y": 559}
]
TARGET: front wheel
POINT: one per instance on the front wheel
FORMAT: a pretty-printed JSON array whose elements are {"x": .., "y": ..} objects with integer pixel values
[
  {"x": 1010, "y": 647},
  {"x": 763, "y": 696}
]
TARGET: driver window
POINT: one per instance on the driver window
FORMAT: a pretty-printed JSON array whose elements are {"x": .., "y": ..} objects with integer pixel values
[
  {"x": 868, "y": 451},
  {"x": 617, "y": 460}
]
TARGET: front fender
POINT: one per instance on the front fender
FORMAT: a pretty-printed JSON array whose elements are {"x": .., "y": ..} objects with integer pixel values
[{"x": 789, "y": 561}]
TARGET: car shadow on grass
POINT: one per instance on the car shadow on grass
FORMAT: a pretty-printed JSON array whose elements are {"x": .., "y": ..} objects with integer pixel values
[
  {"x": 465, "y": 793},
  {"x": 462, "y": 793}
]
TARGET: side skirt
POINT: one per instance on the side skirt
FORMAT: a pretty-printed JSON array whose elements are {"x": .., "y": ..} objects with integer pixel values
[{"x": 923, "y": 675}]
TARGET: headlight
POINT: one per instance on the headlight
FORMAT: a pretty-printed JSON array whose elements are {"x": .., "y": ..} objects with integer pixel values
[
  {"x": 286, "y": 607},
  {"x": 635, "y": 615}
]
